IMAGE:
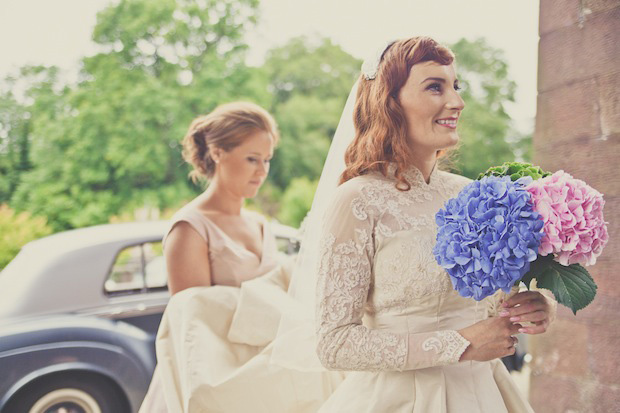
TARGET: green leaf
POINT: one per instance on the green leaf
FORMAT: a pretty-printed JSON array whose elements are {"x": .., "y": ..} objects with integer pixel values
[
  {"x": 515, "y": 170},
  {"x": 571, "y": 285}
]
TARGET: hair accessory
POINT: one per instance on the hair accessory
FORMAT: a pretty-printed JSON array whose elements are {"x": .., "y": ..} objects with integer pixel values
[{"x": 370, "y": 67}]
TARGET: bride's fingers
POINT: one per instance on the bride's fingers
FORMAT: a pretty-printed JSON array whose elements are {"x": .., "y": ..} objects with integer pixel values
[
  {"x": 530, "y": 317},
  {"x": 538, "y": 328},
  {"x": 522, "y": 298},
  {"x": 525, "y": 308}
]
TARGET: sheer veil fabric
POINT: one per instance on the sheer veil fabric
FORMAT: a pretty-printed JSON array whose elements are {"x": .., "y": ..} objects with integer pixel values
[{"x": 295, "y": 343}]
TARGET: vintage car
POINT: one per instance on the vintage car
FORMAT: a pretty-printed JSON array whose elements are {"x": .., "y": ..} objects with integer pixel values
[{"x": 79, "y": 311}]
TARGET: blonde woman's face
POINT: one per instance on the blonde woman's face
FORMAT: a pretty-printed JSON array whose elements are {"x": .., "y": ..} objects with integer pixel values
[
  {"x": 432, "y": 106},
  {"x": 243, "y": 170}
]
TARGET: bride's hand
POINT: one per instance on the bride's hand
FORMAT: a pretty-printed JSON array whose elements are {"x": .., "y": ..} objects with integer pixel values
[
  {"x": 527, "y": 306},
  {"x": 490, "y": 339}
]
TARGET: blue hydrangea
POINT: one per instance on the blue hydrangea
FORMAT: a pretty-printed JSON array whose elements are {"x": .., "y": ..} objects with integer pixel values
[{"x": 487, "y": 236}]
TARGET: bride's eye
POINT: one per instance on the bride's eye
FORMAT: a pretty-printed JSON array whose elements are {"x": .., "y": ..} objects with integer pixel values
[
  {"x": 457, "y": 87},
  {"x": 434, "y": 86}
]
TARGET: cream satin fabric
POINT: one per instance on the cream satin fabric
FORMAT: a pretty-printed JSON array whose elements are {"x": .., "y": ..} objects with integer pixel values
[{"x": 213, "y": 349}]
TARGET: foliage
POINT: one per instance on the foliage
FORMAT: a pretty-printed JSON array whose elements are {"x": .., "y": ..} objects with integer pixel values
[
  {"x": 571, "y": 285},
  {"x": 310, "y": 67},
  {"x": 487, "y": 135},
  {"x": 307, "y": 124},
  {"x": 109, "y": 145},
  {"x": 310, "y": 80},
  {"x": 17, "y": 229},
  {"x": 14, "y": 157},
  {"x": 296, "y": 201},
  {"x": 515, "y": 170},
  {"x": 44, "y": 95},
  {"x": 113, "y": 143}
]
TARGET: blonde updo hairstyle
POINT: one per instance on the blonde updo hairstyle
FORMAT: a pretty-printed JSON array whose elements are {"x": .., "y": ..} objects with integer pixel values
[{"x": 226, "y": 127}]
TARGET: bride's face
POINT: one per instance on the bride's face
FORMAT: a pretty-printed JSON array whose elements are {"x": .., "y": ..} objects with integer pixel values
[{"x": 432, "y": 106}]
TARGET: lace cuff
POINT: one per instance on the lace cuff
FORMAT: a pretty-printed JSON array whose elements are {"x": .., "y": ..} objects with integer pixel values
[{"x": 435, "y": 349}]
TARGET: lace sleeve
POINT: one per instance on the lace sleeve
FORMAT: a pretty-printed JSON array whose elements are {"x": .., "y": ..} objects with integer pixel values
[{"x": 344, "y": 279}]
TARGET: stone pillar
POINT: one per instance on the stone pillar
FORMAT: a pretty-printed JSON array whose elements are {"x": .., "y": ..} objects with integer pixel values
[{"x": 576, "y": 365}]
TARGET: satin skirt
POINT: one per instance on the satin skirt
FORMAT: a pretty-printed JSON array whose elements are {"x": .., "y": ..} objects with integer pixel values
[
  {"x": 214, "y": 350},
  {"x": 472, "y": 387}
]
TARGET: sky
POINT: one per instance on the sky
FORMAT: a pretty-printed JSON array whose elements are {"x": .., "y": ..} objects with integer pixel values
[{"x": 59, "y": 32}]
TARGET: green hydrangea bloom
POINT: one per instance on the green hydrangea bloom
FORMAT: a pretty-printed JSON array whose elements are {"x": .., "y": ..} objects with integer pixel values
[{"x": 515, "y": 170}]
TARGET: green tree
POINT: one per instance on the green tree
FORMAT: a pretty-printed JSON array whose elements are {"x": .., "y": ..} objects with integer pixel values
[
  {"x": 14, "y": 144},
  {"x": 307, "y": 125},
  {"x": 32, "y": 96},
  {"x": 113, "y": 145},
  {"x": 17, "y": 229},
  {"x": 310, "y": 80},
  {"x": 297, "y": 200},
  {"x": 487, "y": 134},
  {"x": 311, "y": 67}
]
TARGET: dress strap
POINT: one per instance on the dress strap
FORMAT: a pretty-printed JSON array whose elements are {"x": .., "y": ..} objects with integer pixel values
[{"x": 195, "y": 219}]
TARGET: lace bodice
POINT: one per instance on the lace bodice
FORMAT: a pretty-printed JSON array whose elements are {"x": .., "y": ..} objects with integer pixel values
[{"x": 383, "y": 301}]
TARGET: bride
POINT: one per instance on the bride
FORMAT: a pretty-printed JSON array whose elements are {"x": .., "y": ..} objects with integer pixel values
[
  {"x": 385, "y": 308},
  {"x": 370, "y": 322}
]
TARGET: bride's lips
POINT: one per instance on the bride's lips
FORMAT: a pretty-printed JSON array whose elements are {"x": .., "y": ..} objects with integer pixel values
[{"x": 449, "y": 123}]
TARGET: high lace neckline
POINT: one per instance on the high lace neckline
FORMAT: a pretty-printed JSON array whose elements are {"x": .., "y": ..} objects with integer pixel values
[{"x": 414, "y": 176}]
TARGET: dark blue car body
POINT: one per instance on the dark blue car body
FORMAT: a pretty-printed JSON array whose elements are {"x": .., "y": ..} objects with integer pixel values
[
  {"x": 79, "y": 312},
  {"x": 57, "y": 322}
]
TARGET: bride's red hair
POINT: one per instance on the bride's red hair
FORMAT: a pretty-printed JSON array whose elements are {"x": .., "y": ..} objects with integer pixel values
[{"x": 380, "y": 126}]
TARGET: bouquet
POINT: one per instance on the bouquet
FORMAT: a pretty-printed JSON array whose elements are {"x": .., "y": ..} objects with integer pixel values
[{"x": 516, "y": 223}]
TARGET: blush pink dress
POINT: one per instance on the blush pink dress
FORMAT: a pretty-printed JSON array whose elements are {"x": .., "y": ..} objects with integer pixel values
[{"x": 231, "y": 263}]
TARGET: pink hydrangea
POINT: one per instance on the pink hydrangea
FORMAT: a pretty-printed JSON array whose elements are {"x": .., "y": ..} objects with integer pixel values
[{"x": 575, "y": 229}]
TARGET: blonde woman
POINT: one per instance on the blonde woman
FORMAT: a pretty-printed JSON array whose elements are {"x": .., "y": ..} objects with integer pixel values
[{"x": 213, "y": 240}]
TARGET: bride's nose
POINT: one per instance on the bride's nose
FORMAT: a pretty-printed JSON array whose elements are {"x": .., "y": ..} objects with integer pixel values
[{"x": 456, "y": 102}]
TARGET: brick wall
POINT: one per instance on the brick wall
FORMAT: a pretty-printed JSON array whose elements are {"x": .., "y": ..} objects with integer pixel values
[{"x": 576, "y": 365}]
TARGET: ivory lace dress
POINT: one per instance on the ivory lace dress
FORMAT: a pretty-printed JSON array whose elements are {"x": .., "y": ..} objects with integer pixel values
[{"x": 387, "y": 311}]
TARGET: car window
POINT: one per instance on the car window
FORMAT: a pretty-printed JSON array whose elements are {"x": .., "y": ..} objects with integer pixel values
[
  {"x": 138, "y": 268},
  {"x": 287, "y": 245}
]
